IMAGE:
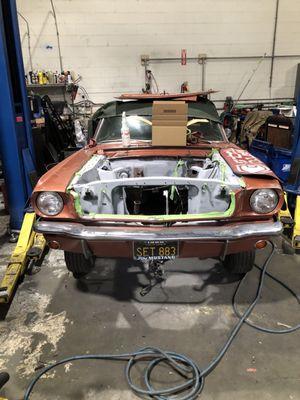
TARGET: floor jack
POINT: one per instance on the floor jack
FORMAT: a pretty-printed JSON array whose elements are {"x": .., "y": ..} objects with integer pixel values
[
  {"x": 28, "y": 252},
  {"x": 155, "y": 273}
]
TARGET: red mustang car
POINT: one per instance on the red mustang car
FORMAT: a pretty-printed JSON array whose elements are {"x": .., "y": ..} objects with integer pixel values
[{"x": 208, "y": 198}]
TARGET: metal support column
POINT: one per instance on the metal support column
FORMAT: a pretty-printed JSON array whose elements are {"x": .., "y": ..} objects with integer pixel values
[
  {"x": 16, "y": 147},
  {"x": 293, "y": 183}
]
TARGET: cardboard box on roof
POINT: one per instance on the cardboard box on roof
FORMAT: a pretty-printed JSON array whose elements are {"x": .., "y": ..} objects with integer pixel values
[{"x": 169, "y": 119}]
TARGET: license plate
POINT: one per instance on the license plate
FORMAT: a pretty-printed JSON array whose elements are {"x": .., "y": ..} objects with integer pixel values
[{"x": 155, "y": 250}]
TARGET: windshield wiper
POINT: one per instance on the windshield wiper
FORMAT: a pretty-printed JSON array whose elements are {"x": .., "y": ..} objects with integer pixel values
[
  {"x": 198, "y": 138},
  {"x": 205, "y": 140}
]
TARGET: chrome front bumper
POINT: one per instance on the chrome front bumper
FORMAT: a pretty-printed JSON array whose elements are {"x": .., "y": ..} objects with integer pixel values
[{"x": 229, "y": 231}]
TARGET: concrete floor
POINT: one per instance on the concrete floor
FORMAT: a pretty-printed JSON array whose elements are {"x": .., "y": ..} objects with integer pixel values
[{"x": 53, "y": 316}]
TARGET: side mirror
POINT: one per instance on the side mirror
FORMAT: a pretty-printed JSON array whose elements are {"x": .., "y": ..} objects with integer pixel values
[
  {"x": 228, "y": 133},
  {"x": 91, "y": 143}
]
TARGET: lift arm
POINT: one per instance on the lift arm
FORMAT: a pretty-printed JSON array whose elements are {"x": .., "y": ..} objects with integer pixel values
[
  {"x": 29, "y": 249},
  {"x": 296, "y": 232}
]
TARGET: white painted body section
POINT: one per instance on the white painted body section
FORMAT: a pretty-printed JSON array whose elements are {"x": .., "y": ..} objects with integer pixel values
[{"x": 155, "y": 186}]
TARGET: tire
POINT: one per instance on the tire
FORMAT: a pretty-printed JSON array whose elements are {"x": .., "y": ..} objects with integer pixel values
[
  {"x": 78, "y": 264},
  {"x": 240, "y": 263}
]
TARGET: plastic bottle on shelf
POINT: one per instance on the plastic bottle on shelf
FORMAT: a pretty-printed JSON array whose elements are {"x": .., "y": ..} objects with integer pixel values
[
  {"x": 40, "y": 77},
  {"x": 61, "y": 77},
  {"x": 50, "y": 77},
  {"x": 45, "y": 78},
  {"x": 125, "y": 133},
  {"x": 69, "y": 77}
]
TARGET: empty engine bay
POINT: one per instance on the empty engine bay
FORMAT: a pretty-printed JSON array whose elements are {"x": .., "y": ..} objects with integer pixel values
[{"x": 154, "y": 186}]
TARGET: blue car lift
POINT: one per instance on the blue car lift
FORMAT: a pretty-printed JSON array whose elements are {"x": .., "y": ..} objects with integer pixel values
[
  {"x": 286, "y": 164},
  {"x": 17, "y": 154},
  {"x": 16, "y": 145}
]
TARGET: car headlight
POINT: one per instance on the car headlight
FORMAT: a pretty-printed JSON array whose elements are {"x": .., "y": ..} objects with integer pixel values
[
  {"x": 263, "y": 201},
  {"x": 50, "y": 203}
]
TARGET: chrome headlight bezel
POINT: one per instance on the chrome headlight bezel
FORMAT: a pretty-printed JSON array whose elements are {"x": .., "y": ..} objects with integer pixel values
[
  {"x": 50, "y": 203},
  {"x": 264, "y": 201}
]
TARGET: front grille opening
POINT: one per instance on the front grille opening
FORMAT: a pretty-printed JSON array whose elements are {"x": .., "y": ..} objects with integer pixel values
[{"x": 157, "y": 200}]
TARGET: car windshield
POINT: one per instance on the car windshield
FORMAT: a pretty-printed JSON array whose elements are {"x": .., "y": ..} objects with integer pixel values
[{"x": 140, "y": 127}]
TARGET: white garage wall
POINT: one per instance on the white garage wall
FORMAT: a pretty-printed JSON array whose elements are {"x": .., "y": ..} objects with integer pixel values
[{"x": 103, "y": 40}]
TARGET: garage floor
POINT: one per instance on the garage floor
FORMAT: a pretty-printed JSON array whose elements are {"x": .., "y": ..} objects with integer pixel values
[{"x": 54, "y": 316}]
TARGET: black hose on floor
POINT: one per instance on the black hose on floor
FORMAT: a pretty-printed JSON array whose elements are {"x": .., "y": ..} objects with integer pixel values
[
  {"x": 262, "y": 328},
  {"x": 189, "y": 370}
]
